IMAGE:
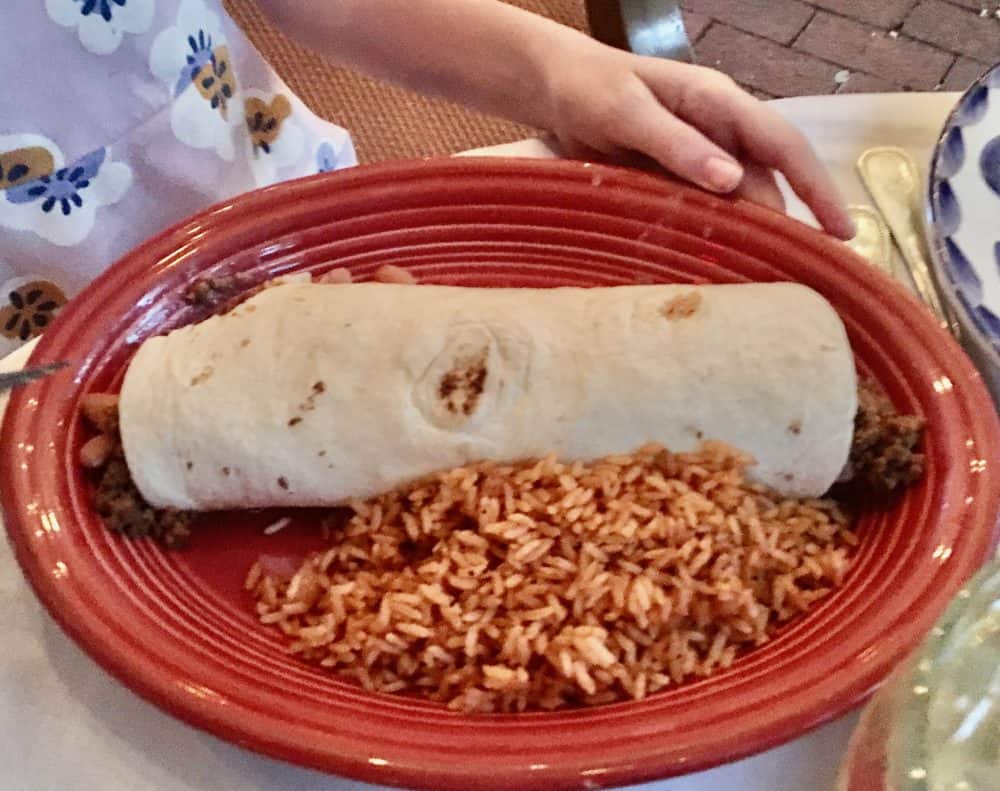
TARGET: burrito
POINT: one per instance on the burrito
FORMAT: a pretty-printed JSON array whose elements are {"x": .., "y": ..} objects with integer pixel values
[{"x": 312, "y": 394}]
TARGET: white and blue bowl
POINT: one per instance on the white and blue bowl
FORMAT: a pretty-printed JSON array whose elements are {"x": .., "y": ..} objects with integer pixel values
[{"x": 963, "y": 219}]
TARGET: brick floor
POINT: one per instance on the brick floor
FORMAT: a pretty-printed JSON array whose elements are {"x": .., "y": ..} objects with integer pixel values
[
  {"x": 796, "y": 47},
  {"x": 762, "y": 64},
  {"x": 962, "y": 74},
  {"x": 884, "y": 14},
  {"x": 696, "y": 24},
  {"x": 859, "y": 82},
  {"x": 954, "y": 30},
  {"x": 778, "y": 20}
]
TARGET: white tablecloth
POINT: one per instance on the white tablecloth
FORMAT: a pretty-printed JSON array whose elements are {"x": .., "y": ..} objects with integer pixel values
[{"x": 66, "y": 725}]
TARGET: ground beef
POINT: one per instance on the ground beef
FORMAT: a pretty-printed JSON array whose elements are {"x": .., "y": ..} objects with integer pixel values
[
  {"x": 218, "y": 295},
  {"x": 210, "y": 292},
  {"x": 101, "y": 412},
  {"x": 884, "y": 456},
  {"x": 124, "y": 510},
  {"x": 118, "y": 501}
]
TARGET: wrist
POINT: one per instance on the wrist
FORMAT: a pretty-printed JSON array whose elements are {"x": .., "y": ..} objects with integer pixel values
[
  {"x": 555, "y": 60},
  {"x": 576, "y": 73}
]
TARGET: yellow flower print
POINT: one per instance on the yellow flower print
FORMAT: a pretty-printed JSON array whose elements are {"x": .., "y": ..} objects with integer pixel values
[
  {"x": 193, "y": 59},
  {"x": 264, "y": 120},
  {"x": 24, "y": 164},
  {"x": 274, "y": 140},
  {"x": 29, "y": 309},
  {"x": 216, "y": 80}
]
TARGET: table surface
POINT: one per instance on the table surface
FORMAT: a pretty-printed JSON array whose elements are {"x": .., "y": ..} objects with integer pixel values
[{"x": 65, "y": 724}]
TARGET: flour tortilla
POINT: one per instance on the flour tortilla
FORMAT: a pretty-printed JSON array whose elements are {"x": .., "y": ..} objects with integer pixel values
[{"x": 311, "y": 394}]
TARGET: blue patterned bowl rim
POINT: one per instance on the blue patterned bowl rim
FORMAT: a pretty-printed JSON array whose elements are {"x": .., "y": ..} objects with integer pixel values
[{"x": 978, "y": 332}]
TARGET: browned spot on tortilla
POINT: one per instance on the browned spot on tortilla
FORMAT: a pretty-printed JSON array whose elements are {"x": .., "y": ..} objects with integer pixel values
[
  {"x": 294, "y": 421},
  {"x": 309, "y": 404},
  {"x": 226, "y": 471},
  {"x": 190, "y": 465},
  {"x": 249, "y": 308},
  {"x": 462, "y": 386},
  {"x": 283, "y": 482},
  {"x": 321, "y": 454},
  {"x": 795, "y": 427},
  {"x": 788, "y": 477},
  {"x": 683, "y": 306},
  {"x": 202, "y": 376},
  {"x": 244, "y": 343},
  {"x": 123, "y": 510}
]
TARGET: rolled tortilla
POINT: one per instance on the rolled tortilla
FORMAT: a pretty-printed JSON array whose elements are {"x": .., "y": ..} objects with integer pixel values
[{"x": 309, "y": 394}]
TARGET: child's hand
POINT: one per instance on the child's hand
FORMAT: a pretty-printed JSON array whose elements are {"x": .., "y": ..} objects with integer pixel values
[
  {"x": 693, "y": 121},
  {"x": 506, "y": 61}
]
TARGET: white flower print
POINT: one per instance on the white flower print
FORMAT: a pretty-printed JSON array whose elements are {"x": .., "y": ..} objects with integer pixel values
[
  {"x": 277, "y": 141},
  {"x": 61, "y": 206},
  {"x": 192, "y": 59},
  {"x": 101, "y": 24}
]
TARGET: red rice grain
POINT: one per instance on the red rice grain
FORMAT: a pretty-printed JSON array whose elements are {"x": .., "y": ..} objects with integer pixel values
[{"x": 542, "y": 585}]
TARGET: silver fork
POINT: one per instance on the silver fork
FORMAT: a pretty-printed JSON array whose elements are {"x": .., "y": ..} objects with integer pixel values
[{"x": 8, "y": 381}]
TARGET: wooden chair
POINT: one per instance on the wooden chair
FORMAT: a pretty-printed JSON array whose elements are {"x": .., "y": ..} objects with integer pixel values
[{"x": 389, "y": 123}]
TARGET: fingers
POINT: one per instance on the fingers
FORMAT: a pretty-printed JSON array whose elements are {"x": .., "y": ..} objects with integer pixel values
[
  {"x": 740, "y": 123},
  {"x": 759, "y": 186},
  {"x": 575, "y": 149},
  {"x": 770, "y": 140},
  {"x": 649, "y": 127}
]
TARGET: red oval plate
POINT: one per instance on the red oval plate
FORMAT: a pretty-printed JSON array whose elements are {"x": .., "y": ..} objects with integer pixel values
[{"x": 178, "y": 629}]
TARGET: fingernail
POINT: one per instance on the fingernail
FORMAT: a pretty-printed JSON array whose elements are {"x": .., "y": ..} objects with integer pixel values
[
  {"x": 848, "y": 228},
  {"x": 724, "y": 175}
]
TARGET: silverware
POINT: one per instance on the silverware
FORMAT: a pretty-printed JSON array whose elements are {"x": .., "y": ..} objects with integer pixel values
[
  {"x": 9, "y": 381},
  {"x": 872, "y": 240},
  {"x": 656, "y": 28},
  {"x": 645, "y": 27},
  {"x": 893, "y": 180}
]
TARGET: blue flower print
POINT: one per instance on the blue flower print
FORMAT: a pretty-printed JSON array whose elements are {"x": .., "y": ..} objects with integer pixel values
[
  {"x": 103, "y": 7},
  {"x": 208, "y": 69},
  {"x": 199, "y": 56},
  {"x": 61, "y": 188},
  {"x": 326, "y": 157}
]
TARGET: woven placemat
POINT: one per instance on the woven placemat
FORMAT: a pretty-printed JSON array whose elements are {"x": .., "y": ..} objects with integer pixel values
[{"x": 386, "y": 122}]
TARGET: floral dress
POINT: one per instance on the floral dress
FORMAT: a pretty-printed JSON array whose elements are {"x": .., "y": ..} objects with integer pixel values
[{"x": 117, "y": 119}]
